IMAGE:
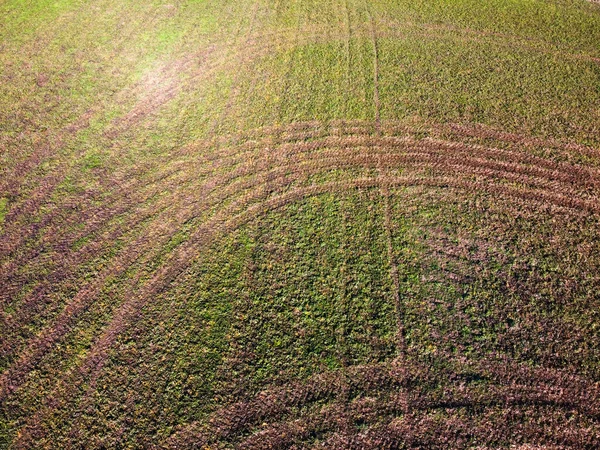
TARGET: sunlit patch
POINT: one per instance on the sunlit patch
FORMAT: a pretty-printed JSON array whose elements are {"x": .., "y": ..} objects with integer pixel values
[
  {"x": 158, "y": 83},
  {"x": 156, "y": 86}
]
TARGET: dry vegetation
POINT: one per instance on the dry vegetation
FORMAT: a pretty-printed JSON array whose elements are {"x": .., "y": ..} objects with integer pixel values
[{"x": 306, "y": 224}]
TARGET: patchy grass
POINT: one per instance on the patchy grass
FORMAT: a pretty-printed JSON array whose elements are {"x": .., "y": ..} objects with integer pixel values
[
  {"x": 320, "y": 224},
  {"x": 3, "y": 209}
]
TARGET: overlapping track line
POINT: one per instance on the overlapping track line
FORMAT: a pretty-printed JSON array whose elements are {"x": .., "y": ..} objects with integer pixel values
[
  {"x": 381, "y": 393},
  {"x": 164, "y": 180},
  {"x": 214, "y": 59},
  {"x": 99, "y": 216},
  {"x": 564, "y": 172},
  {"x": 54, "y": 225},
  {"x": 62, "y": 235},
  {"x": 195, "y": 188},
  {"x": 94, "y": 218},
  {"x": 568, "y": 150},
  {"x": 479, "y": 166},
  {"x": 40, "y": 301},
  {"x": 353, "y": 160},
  {"x": 238, "y": 195},
  {"x": 88, "y": 396},
  {"x": 258, "y": 45}
]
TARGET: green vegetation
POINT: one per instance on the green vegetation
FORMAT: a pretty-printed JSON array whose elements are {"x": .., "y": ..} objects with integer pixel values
[
  {"x": 299, "y": 224},
  {"x": 3, "y": 209}
]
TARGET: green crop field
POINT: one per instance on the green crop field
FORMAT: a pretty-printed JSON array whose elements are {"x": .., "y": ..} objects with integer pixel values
[{"x": 273, "y": 224}]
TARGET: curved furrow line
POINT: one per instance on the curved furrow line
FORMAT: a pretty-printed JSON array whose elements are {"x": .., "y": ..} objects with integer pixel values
[
  {"x": 36, "y": 348},
  {"x": 404, "y": 390},
  {"x": 11, "y": 178},
  {"x": 170, "y": 215},
  {"x": 364, "y": 158},
  {"x": 211, "y": 193},
  {"x": 563, "y": 171},
  {"x": 549, "y": 432},
  {"x": 67, "y": 261},
  {"x": 128, "y": 311},
  {"x": 393, "y": 128},
  {"x": 478, "y": 166},
  {"x": 34, "y": 201},
  {"x": 558, "y": 178},
  {"x": 23, "y": 233},
  {"x": 337, "y": 162},
  {"x": 37, "y": 198},
  {"x": 481, "y": 185},
  {"x": 17, "y": 228},
  {"x": 488, "y": 132},
  {"x": 20, "y": 232},
  {"x": 338, "y": 425},
  {"x": 217, "y": 225},
  {"x": 557, "y": 150},
  {"x": 312, "y": 132},
  {"x": 39, "y": 299},
  {"x": 60, "y": 236},
  {"x": 164, "y": 226},
  {"x": 560, "y": 172},
  {"x": 130, "y": 308},
  {"x": 455, "y": 165},
  {"x": 176, "y": 186},
  {"x": 447, "y": 165},
  {"x": 578, "y": 174},
  {"x": 568, "y": 173},
  {"x": 255, "y": 43},
  {"x": 62, "y": 232},
  {"x": 57, "y": 174}
]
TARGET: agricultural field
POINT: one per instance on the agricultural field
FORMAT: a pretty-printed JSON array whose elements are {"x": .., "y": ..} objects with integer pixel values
[{"x": 273, "y": 224}]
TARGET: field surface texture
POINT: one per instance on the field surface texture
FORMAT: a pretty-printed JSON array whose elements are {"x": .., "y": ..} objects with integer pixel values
[{"x": 273, "y": 224}]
